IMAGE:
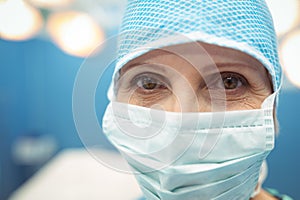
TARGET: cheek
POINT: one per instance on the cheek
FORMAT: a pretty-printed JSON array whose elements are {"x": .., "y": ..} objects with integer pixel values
[
  {"x": 123, "y": 96},
  {"x": 170, "y": 102},
  {"x": 248, "y": 102},
  {"x": 147, "y": 99}
]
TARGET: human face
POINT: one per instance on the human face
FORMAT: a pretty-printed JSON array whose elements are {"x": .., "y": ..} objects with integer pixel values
[{"x": 194, "y": 77}]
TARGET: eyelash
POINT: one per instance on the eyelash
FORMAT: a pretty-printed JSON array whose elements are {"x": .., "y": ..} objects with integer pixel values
[
  {"x": 156, "y": 79},
  {"x": 242, "y": 80}
]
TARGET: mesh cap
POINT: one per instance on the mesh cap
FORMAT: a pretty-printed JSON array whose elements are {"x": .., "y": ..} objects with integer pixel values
[{"x": 244, "y": 25}]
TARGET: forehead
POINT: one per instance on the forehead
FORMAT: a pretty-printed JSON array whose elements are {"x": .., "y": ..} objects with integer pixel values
[{"x": 198, "y": 54}]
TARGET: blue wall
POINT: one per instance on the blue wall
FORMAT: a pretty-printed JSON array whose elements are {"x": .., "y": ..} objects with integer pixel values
[{"x": 36, "y": 84}]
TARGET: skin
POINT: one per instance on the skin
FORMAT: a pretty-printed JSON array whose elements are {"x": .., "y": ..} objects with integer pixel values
[{"x": 195, "y": 77}]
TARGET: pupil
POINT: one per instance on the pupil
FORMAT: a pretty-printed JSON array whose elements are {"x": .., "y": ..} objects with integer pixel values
[
  {"x": 230, "y": 83},
  {"x": 149, "y": 84}
]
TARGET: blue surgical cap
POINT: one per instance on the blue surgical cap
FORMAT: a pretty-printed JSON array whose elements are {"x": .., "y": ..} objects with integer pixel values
[{"x": 244, "y": 25}]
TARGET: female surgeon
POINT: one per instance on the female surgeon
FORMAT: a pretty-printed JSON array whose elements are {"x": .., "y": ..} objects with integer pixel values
[{"x": 193, "y": 98}]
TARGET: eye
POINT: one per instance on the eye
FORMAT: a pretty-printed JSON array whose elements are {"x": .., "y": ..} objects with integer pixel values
[
  {"x": 149, "y": 83},
  {"x": 232, "y": 81}
]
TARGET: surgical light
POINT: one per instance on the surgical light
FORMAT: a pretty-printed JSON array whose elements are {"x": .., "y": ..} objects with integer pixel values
[
  {"x": 285, "y": 14},
  {"x": 50, "y": 3},
  {"x": 18, "y": 20},
  {"x": 74, "y": 32},
  {"x": 289, "y": 53}
]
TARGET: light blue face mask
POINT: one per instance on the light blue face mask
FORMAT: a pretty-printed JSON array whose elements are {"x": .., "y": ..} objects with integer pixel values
[{"x": 192, "y": 156}]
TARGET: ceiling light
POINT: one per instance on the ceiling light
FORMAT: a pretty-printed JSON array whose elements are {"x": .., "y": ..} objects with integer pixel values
[
  {"x": 50, "y": 3},
  {"x": 285, "y": 14},
  {"x": 74, "y": 32},
  {"x": 289, "y": 53},
  {"x": 18, "y": 20}
]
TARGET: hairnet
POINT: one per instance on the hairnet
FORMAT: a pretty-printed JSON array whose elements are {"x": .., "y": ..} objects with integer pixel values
[{"x": 242, "y": 25}]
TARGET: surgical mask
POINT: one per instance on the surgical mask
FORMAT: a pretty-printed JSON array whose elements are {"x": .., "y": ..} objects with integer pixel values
[{"x": 192, "y": 156}]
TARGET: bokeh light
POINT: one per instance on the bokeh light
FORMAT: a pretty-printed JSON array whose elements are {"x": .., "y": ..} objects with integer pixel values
[
  {"x": 75, "y": 33},
  {"x": 285, "y": 14},
  {"x": 50, "y": 3},
  {"x": 289, "y": 53},
  {"x": 18, "y": 20}
]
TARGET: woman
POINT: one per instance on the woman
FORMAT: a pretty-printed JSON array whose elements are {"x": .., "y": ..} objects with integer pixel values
[{"x": 194, "y": 96}]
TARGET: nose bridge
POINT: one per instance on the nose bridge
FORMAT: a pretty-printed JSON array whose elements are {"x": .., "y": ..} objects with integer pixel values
[
  {"x": 185, "y": 91},
  {"x": 186, "y": 80},
  {"x": 186, "y": 100}
]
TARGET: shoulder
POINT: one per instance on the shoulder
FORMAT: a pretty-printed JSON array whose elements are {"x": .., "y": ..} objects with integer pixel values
[{"x": 276, "y": 194}]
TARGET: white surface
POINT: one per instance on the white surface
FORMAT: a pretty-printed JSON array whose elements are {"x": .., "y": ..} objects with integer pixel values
[{"x": 76, "y": 175}]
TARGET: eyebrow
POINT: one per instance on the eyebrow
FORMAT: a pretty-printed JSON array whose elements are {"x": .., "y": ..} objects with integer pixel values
[
  {"x": 128, "y": 67},
  {"x": 210, "y": 68},
  {"x": 221, "y": 64}
]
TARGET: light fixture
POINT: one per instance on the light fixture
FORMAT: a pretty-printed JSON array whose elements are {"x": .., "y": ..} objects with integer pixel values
[
  {"x": 18, "y": 20},
  {"x": 50, "y": 3},
  {"x": 289, "y": 54},
  {"x": 285, "y": 14},
  {"x": 74, "y": 32}
]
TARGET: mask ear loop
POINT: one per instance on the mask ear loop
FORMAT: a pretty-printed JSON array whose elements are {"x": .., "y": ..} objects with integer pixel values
[
  {"x": 261, "y": 179},
  {"x": 268, "y": 103}
]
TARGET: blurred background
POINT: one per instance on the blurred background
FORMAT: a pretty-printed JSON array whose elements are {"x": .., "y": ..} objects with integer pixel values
[{"x": 43, "y": 43}]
